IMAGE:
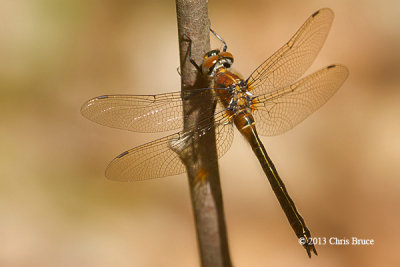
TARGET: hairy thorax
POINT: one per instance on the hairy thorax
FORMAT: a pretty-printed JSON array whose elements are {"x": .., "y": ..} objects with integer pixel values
[{"x": 235, "y": 96}]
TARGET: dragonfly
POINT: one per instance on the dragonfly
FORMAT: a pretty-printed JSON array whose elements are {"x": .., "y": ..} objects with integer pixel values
[{"x": 271, "y": 101}]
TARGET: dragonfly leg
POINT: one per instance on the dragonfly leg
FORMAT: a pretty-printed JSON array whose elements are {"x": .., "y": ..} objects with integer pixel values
[
  {"x": 190, "y": 52},
  {"x": 219, "y": 38}
]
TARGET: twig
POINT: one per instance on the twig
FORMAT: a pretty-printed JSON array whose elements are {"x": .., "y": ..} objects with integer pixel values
[{"x": 201, "y": 161}]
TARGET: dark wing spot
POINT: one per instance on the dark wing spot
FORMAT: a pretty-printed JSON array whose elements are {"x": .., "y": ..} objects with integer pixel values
[
  {"x": 315, "y": 13},
  {"x": 122, "y": 154},
  {"x": 331, "y": 66},
  {"x": 102, "y": 97}
]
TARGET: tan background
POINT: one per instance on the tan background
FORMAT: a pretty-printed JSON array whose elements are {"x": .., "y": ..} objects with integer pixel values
[{"x": 341, "y": 165}]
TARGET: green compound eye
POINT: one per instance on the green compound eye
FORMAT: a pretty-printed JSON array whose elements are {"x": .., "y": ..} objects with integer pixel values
[{"x": 211, "y": 53}]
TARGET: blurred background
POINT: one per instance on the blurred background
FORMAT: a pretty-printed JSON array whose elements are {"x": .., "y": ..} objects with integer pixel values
[{"x": 341, "y": 165}]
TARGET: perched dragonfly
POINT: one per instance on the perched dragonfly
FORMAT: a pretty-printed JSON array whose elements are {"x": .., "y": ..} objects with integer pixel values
[{"x": 269, "y": 102}]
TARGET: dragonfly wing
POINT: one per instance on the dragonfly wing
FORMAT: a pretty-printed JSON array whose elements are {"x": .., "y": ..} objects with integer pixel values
[
  {"x": 158, "y": 158},
  {"x": 152, "y": 160},
  {"x": 223, "y": 133},
  {"x": 139, "y": 113},
  {"x": 279, "y": 111},
  {"x": 290, "y": 62}
]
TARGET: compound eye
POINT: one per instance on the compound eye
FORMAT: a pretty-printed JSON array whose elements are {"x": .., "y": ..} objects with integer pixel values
[
  {"x": 211, "y": 53},
  {"x": 209, "y": 64}
]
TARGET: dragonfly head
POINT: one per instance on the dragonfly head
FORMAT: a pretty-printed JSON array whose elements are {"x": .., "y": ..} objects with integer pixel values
[{"x": 215, "y": 60}]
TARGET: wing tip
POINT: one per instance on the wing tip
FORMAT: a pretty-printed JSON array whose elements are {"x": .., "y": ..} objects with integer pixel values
[
  {"x": 122, "y": 154},
  {"x": 86, "y": 106},
  {"x": 112, "y": 174},
  {"x": 340, "y": 67},
  {"x": 315, "y": 13},
  {"x": 323, "y": 10}
]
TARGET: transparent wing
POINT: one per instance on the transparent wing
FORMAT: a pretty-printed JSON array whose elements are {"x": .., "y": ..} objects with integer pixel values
[
  {"x": 288, "y": 63},
  {"x": 141, "y": 113},
  {"x": 279, "y": 111},
  {"x": 158, "y": 158}
]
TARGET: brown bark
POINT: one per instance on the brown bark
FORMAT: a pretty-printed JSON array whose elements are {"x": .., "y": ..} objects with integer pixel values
[{"x": 201, "y": 159}]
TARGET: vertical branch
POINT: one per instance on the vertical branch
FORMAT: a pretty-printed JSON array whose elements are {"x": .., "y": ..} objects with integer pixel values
[{"x": 201, "y": 160}]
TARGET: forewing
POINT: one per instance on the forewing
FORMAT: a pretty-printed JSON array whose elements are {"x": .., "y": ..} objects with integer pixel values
[
  {"x": 279, "y": 111},
  {"x": 288, "y": 63},
  {"x": 159, "y": 158},
  {"x": 139, "y": 113},
  {"x": 143, "y": 113}
]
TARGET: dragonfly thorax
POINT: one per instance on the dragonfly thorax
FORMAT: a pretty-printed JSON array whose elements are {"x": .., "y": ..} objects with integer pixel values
[
  {"x": 215, "y": 60},
  {"x": 241, "y": 98},
  {"x": 233, "y": 91}
]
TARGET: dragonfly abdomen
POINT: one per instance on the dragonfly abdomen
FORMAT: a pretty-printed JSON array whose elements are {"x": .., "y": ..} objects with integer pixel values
[{"x": 245, "y": 123}]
